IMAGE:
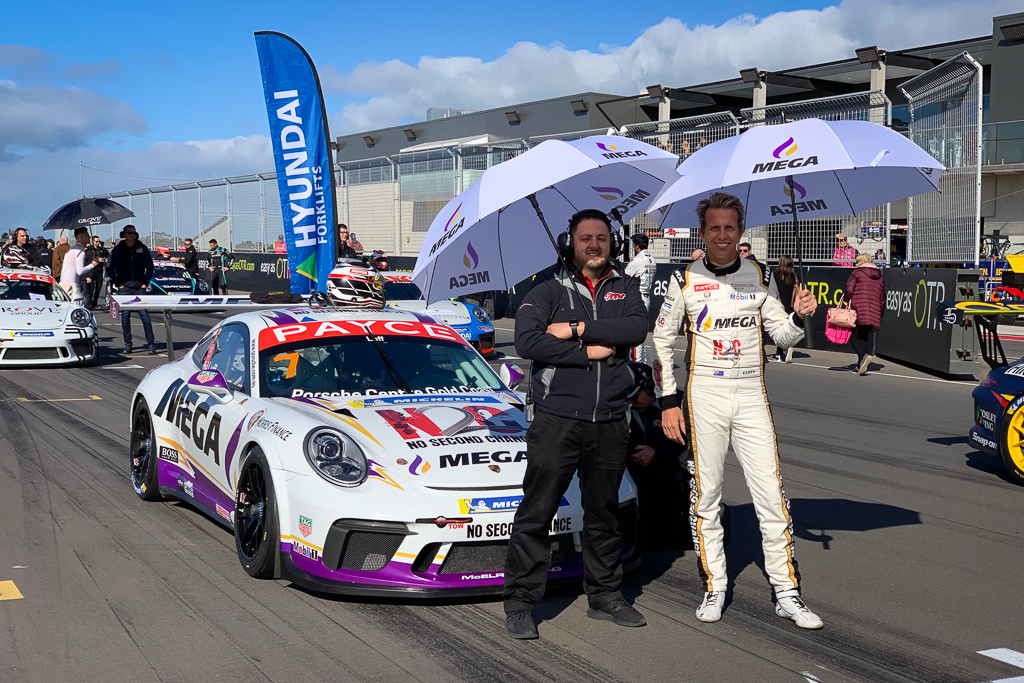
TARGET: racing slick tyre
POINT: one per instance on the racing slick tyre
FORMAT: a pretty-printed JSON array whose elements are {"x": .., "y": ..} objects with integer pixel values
[
  {"x": 257, "y": 532},
  {"x": 1011, "y": 445},
  {"x": 142, "y": 454}
]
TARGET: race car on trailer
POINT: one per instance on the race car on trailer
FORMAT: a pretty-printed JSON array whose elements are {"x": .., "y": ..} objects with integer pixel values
[
  {"x": 40, "y": 325},
  {"x": 351, "y": 451}
]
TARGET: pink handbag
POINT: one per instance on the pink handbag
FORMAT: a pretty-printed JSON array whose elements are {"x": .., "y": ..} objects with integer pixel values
[
  {"x": 837, "y": 335},
  {"x": 842, "y": 316}
]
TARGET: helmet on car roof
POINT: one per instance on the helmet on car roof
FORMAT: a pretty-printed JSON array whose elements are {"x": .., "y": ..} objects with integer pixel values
[{"x": 356, "y": 287}]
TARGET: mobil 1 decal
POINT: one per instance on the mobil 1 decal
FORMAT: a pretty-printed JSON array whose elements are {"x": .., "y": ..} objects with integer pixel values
[{"x": 454, "y": 425}]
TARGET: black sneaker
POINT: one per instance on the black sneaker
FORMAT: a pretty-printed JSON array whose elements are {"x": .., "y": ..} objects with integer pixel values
[
  {"x": 127, "y": 349},
  {"x": 619, "y": 612},
  {"x": 152, "y": 350},
  {"x": 520, "y": 626}
]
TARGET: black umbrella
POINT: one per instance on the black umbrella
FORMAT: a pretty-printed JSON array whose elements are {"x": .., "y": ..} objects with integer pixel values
[{"x": 86, "y": 213}]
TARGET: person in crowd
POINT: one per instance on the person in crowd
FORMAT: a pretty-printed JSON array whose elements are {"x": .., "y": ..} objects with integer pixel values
[
  {"x": 865, "y": 290},
  {"x": 643, "y": 267},
  {"x": 578, "y": 385},
  {"x": 219, "y": 263},
  {"x": 131, "y": 269},
  {"x": 697, "y": 254},
  {"x": 726, "y": 399},
  {"x": 345, "y": 250},
  {"x": 656, "y": 464},
  {"x": 788, "y": 283},
  {"x": 42, "y": 255},
  {"x": 190, "y": 259},
  {"x": 844, "y": 255},
  {"x": 94, "y": 280},
  {"x": 686, "y": 148},
  {"x": 75, "y": 265},
  {"x": 17, "y": 253},
  {"x": 880, "y": 259},
  {"x": 747, "y": 252},
  {"x": 59, "y": 252},
  {"x": 280, "y": 246}
]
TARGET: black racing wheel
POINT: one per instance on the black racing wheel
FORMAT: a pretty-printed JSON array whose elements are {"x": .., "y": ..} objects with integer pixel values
[
  {"x": 142, "y": 454},
  {"x": 257, "y": 531}
]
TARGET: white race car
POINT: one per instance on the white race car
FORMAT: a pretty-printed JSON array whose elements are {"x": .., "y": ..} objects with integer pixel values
[
  {"x": 40, "y": 325},
  {"x": 351, "y": 451}
]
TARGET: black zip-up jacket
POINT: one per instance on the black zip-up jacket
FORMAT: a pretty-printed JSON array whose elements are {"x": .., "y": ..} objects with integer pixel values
[
  {"x": 191, "y": 261},
  {"x": 128, "y": 265},
  {"x": 564, "y": 381}
]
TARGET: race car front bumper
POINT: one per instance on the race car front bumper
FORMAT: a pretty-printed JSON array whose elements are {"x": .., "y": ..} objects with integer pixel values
[
  {"x": 49, "y": 347},
  {"x": 367, "y": 557}
]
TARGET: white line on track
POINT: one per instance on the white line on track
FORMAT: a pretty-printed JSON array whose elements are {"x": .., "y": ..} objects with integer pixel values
[
  {"x": 1008, "y": 656},
  {"x": 121, "y": 367}
]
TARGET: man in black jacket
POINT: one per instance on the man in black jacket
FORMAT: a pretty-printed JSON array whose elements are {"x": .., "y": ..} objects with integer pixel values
[
  {"x": 345, "y": 249},
  {"x": 131, "y": 269},
  {"x": 577, "y": 325},
  {"x": 191, "y": 259}
]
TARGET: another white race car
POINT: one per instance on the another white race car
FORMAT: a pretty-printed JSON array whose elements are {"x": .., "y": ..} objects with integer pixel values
[
  {"x": 40, "y": 325},
  {"x": 355, "y": 451}
]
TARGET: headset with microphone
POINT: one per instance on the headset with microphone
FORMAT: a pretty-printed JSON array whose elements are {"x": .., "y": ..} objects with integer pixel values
[{"x": 565, "y": 243}]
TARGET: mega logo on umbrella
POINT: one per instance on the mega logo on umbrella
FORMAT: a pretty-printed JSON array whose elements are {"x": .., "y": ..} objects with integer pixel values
[
  {"x": 798, "y": 193},
  {"x": 784, "y": 154}
]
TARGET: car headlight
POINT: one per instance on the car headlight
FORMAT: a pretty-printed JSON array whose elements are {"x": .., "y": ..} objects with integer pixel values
[
  {"x": 481, "y": 315},
  {"x": 335, "y": 457},
  {"x": 81, "y": 317}
]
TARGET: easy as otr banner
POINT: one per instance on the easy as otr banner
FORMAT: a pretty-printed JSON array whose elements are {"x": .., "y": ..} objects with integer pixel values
[{"x": 298, "y": 129}]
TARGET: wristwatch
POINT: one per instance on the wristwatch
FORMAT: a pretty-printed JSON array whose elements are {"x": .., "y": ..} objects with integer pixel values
[{"x": 574, "y": 325}]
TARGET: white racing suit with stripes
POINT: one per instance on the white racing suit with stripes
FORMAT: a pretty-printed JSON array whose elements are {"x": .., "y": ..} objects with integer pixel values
[
  {"x": 643, "y": 267},
  {"x": 723, "y": 310}
]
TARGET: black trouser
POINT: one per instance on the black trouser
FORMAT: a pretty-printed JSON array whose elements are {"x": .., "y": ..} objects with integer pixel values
[
  {"x": 860, "y": 341},
  {"x": 218, "y": 282},
  {"x": 663, "y": 490},
  {"x": 556, "y": 448},
  {"x": 86, "y": 289}
]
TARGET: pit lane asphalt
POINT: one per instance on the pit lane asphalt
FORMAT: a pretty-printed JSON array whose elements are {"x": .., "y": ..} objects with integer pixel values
[{"x": 909, "y": 543}]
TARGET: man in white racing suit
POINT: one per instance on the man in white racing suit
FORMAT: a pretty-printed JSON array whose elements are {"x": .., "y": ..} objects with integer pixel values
[
  {"x": 643, "y": 267},
  {"x": 723, "y": 301}
]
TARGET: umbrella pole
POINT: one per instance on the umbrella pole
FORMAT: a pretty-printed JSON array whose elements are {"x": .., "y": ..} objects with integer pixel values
[
  {"x": 547, "y": 230},
  {"x": 808, "y": 328}
]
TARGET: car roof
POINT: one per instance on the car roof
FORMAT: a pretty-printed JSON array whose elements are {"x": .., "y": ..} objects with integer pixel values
[
  {"x": 30, "y": 275},
  {"x": 290, "y": 316}
]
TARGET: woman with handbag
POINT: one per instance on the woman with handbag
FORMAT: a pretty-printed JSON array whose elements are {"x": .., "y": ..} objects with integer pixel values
[
  {"x": 865, "y": 290},
  {"x": 787, "y": 281}
]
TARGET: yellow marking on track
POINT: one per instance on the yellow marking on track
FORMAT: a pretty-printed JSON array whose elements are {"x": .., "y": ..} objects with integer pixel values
[
  {"x": 23, "y": 399},
  {"x": 8, "y": 591}
]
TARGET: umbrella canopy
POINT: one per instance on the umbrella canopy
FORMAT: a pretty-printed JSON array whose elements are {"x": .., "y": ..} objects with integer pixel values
[
  {"x": 492, "y": 236},
  {"x": 835, "y": 167},
  {"x": 86, "y": 213}
]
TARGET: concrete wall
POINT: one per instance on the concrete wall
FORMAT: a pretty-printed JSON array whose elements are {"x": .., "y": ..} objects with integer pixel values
[{"x": 1007, "y": 103}]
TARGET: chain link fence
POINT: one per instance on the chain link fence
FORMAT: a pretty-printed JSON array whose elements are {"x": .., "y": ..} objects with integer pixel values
[
  {"x": 388, "y": 202},
  {"x": 945, "y": 120}
]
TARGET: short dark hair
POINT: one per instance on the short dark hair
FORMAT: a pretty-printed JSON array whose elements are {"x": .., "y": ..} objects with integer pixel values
[
  {"x": 342, "y": 225},
  {"x": 213, "y": 241},
  {"x": 744, "y": 244},
  {"x": 589, "y": 214},
  {"x": 24, "y": 230},
  {"x": 79, "y": 231},
  {"x": 720, "y": 200},
  {"x": 640, "y": 241}
]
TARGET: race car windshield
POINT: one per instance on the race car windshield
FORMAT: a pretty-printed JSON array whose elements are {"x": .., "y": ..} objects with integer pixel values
[
  {"x": 25, "y": 290},
  {"x": 402, "y": 291},
  {"x": 355, "y": 366},
  {"x": 168, "y": 272}
]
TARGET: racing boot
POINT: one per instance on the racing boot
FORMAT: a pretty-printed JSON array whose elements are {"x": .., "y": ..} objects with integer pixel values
[
  {"x": 710, "y": 609},
  {"x": 788, "y": 605}
]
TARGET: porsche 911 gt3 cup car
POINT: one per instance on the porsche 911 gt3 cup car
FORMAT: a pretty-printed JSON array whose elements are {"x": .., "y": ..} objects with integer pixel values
[
  {"x": 350, "y": 451},
  {"x": 170, "y": 277},
  {"x": 470, "y": 321},
  {"x": 39, "y": 325}
]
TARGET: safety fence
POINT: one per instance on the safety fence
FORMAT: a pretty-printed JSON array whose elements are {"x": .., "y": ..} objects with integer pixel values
[
  {"x": 388, "y": 202},
  {"x": 946, "y": 121}
]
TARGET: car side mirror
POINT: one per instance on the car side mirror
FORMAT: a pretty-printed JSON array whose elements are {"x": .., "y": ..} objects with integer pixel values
[
  {"x": 511, "y": 374},
  {"x": 211, "y": 383}
]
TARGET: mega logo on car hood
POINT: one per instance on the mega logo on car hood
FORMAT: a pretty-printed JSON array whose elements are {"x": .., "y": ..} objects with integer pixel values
[
  {"x": 466, "y": 439},
  {"x": 445, "y": 312},
  {"x": 33, "y": 315}
]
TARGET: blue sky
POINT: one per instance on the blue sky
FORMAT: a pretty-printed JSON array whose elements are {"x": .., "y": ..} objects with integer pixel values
[{"x": 172, "y": 90}]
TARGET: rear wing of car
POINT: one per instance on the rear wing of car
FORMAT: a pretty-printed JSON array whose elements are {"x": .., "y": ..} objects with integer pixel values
[
  {"x": 167, "y": 304},
  {"x": 984, "y": 315}
]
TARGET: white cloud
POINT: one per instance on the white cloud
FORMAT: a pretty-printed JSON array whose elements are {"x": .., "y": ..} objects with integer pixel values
[
  {"x": 670, "y": 52},
  {"x": 50, "y": 118},
  {"x": 37, "y": 184}
]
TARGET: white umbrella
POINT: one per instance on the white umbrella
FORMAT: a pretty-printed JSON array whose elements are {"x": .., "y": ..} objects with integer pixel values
[
  {"x": 497, "y": 233},
  {"x": 804, "y": 169}
]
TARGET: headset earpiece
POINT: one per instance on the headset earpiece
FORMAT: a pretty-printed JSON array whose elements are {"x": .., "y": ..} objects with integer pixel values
[{"x": 121, "y": 234}]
